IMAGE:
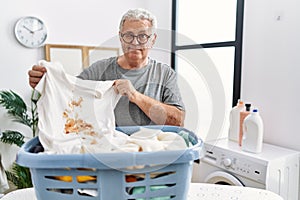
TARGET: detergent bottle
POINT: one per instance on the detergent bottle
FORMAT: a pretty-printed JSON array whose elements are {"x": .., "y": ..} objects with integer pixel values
[
  {"x": 234, "y": 121},
  {"x": 243, "y": 114},
  {"x": 253, "y": 132}
]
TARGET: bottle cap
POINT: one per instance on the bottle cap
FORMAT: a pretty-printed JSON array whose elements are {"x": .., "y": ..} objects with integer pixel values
[
  {"x": 248, "y": 105},
  {"x": 255, "y": 110}
]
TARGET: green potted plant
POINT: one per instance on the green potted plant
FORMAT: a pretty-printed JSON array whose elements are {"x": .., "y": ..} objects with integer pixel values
[{"x": 21, "y": 113}]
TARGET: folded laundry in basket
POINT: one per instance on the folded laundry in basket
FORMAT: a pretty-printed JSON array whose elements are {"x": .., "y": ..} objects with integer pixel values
[
  {"x": 147, "y": 140},
  {"x": 141, "y": 189},
  {"x": 80, "y": 179},
  {"x": 150, "y": 140}
]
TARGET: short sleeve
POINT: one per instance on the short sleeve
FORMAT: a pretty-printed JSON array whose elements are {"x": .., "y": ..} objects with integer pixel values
[{"x": 171, "y": 94}]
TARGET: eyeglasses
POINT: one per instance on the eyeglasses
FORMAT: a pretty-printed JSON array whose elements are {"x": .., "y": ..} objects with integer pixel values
[{"x": 129, "y": 37}]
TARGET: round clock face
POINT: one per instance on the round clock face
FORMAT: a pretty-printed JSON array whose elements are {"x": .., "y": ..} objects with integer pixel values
[{"x": 31, "y": 32}]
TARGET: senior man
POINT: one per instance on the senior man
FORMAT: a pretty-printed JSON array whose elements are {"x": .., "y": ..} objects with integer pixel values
[{"x": 150, "y": 94}]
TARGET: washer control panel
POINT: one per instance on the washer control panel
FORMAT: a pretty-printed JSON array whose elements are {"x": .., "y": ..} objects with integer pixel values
[{"x": 236, "y": 163}]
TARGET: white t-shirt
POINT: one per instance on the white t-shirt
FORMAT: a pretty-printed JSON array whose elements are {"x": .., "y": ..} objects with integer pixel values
[{"x": 74, "y": 114}]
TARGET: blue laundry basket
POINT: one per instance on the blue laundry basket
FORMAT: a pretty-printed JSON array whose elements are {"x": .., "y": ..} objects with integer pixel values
[{"x": 113, "y": 176}]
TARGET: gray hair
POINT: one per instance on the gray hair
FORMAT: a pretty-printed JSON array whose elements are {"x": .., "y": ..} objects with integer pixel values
[{"x": 139, "y": 14}]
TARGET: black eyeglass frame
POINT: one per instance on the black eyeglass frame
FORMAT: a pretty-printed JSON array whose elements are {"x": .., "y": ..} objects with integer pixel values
[{"x": 135, "y": 36}]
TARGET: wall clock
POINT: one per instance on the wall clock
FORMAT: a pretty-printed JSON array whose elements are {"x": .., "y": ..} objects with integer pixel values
[{"x": 31, "y": 32}]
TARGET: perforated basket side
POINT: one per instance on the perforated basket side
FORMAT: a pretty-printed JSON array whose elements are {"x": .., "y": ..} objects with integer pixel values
[
  {"x": 170, "y": 182},
  {"x": 164, "y": 182}
]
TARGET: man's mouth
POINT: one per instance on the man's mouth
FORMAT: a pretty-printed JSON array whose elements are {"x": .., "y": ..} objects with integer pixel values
[{"x": 132, "y": 49}]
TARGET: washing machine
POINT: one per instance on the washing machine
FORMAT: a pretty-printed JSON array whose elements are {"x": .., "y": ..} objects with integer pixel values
[{"x": 275, "y": 169}]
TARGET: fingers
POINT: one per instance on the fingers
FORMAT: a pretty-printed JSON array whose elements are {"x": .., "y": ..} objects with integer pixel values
[
  {"x": 39, "y": 68},
  {"x": 115, "y": 87},
  {"x": 120, "y": 87},
  {"x": 124, "y": 87},
  {"x": 37, "y": 71},
  {"x": 35, "y": 75}
]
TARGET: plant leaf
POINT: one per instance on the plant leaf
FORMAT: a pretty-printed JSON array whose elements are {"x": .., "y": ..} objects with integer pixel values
[
  {"x": 19, "y": 176},
  {"x": 15, "y": 107},
  {"x": 12, "y": 137}
]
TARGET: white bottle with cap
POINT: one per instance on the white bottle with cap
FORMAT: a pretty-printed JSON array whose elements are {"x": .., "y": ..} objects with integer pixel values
[
  {"x": 253, "y": 132},
  {"x": 234, "y": 122}
]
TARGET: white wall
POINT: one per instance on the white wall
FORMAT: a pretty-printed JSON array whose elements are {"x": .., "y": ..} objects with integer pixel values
[{"x": 271, "y": 72}]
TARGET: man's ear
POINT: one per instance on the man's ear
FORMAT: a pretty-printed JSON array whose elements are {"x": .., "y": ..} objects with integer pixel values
[
  {"x": 153, "y": 39},
  {"x": 120, "y": 36}
]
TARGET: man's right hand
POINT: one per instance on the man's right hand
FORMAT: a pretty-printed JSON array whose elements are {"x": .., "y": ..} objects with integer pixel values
[{"x": 35, "y": 75}]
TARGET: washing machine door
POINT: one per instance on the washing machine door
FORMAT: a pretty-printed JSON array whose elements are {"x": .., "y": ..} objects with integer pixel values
[{"x": 223, "y": 178}]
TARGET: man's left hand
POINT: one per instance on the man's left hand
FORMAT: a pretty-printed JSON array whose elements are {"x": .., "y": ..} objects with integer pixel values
[{"x": 125, "y": 88}]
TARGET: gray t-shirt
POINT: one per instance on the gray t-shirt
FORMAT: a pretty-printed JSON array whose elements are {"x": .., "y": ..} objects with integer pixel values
[{"x": 156, "y": 80}]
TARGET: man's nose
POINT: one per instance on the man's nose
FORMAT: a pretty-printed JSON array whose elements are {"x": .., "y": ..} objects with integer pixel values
[{"x": 135, "y": 41}]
